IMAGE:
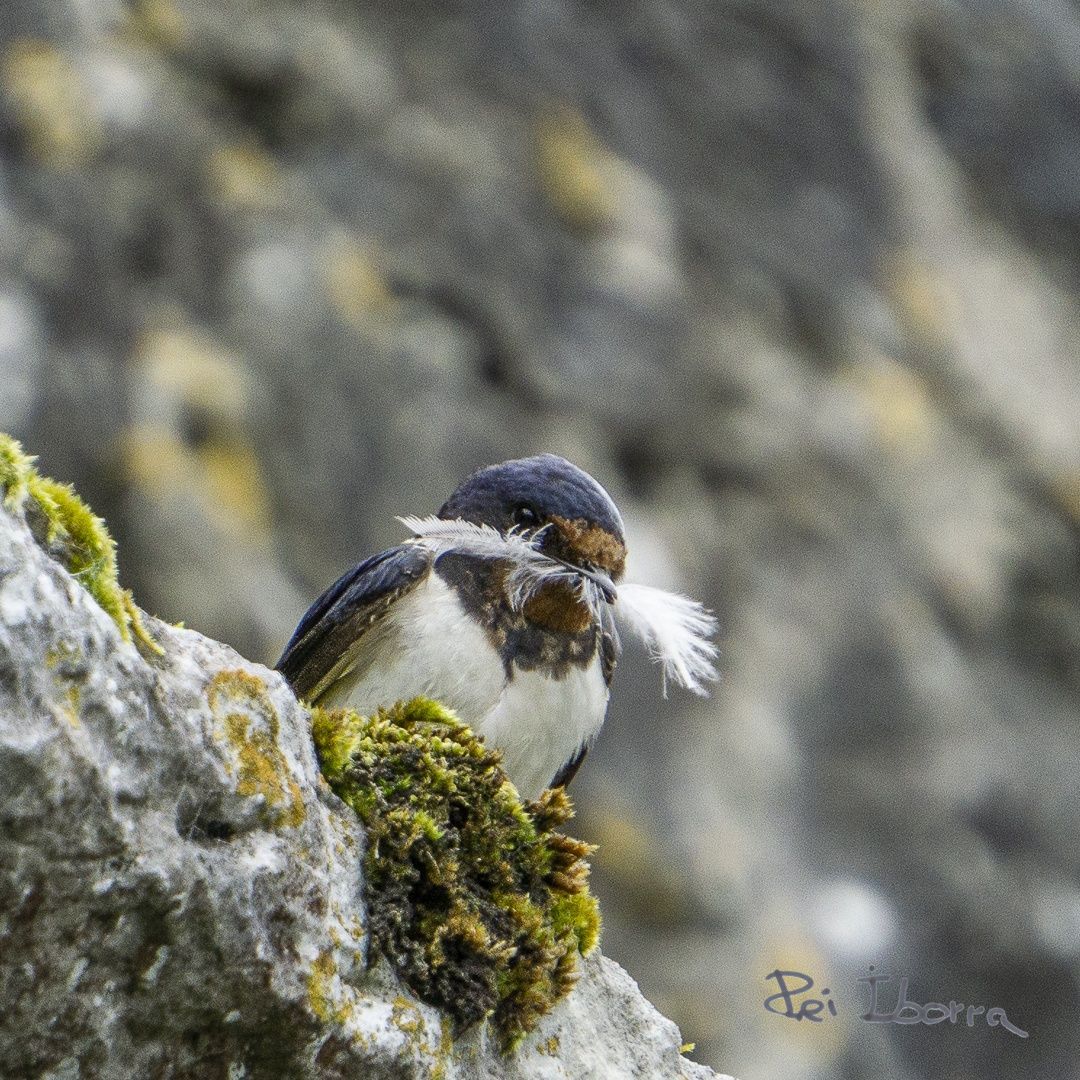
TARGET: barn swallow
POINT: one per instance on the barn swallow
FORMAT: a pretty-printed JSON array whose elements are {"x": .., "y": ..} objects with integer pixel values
[{"x": 503, "y": 606}]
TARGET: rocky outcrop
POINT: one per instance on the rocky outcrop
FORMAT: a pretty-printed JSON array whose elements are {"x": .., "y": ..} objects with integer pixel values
[
  {"x": 181, "y": 892},
  {"x": 797, "y": 282}
]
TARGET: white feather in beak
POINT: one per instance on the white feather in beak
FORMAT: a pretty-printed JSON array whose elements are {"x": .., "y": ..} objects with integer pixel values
[
  {"x": 532, "y": 568},
  {"x": 676, "y": 630}
]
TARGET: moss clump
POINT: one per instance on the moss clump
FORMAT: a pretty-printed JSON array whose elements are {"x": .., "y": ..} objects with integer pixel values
[
  {"x": 474, "y": 897},
  {"x": 71, "y": 533}
]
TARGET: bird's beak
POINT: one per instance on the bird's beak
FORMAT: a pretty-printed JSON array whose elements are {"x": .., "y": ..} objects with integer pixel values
[{"x": 597, "y": 577}]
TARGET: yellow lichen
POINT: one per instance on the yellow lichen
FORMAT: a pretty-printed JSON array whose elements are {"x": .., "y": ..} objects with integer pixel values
[
  {"x": 157, "y": 21},
  {"x": 405, "y": 1016},
  {"x": 897, "y": 401},
  {"x": 924, "y": 297},
  {"x": 572, "y": 164},
  {"x": 244, "y": 175},
  {"x": 197, "y": 393},
  {"x": 325, "y": 1002},
  {"x": 154, "y": 459},
  {"x": 446, "y": 1046},
  {"x": 234, "y": 481},
  {"x": 246, "y": 719},
  {"x": 353, "y": 280},
  {"x": 549, "y": 1046},
  {"x": 72, "y": 699},
  {"x": 183, "y": 363},
  {"x": 1066, "y": 488},
  {"x": 50, "y": 101},
  {"x": 73, "y": 534},
  {"x": 63, "y": 652},
  {"x": 481, "y": 906},
  {"x": 222, "y": 476}
]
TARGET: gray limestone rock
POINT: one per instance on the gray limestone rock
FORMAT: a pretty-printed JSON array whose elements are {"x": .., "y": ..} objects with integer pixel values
[
  {"x": 180, "y": 892},
  {"x": 797, "y": 282}
]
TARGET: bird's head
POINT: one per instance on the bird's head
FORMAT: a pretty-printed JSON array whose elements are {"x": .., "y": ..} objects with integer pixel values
[{"x": 578, "y": 523}]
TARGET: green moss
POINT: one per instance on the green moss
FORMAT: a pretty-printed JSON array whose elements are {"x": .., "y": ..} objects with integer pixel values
[
  {"x": 73, "y": 534},
  {"x": 15, "y": 470},
  {"x": 474, "y": 897}
]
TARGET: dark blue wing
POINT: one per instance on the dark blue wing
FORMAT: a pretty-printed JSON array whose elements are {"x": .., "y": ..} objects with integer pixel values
[
  {"x": 569, "y": 770},
  {"x": 318, "y": 652}
]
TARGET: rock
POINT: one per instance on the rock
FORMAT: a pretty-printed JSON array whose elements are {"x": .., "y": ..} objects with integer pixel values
[
  {"x": 181, "y": 890},
  {"x": 797, "y": 282}
]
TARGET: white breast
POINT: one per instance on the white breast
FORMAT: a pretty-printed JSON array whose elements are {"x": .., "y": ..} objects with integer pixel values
[{"x": 429, "y": 645}]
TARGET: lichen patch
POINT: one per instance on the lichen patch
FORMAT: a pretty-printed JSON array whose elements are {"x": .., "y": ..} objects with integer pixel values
[
  {"x": 246, "y": 720},
  {"x": 324, "y": 994}
]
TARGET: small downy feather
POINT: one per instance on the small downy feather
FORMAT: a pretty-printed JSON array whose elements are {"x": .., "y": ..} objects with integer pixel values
[
  {"x": 676, "y": 630},
  {"x": 532, "y": 568}
]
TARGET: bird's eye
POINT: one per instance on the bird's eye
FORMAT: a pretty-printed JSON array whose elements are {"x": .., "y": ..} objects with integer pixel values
[{"x": 525, "y": 516}]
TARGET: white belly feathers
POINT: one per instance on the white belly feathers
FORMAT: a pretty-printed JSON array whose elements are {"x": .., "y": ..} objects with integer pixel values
[{"x": 431, "y": 646}]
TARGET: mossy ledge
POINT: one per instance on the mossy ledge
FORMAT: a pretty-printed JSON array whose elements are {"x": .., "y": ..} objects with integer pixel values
[
  {"x": 72, "y": 534},
  {"x": 476, "y": 899},
  {"x": 481, "y": 906}
]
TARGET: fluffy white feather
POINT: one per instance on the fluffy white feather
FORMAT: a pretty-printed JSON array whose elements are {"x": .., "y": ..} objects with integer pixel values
[
  {"x": 676, "y": 630},
  {"x": 532, "y": 568},
  {"x": 442, "y": 534}
]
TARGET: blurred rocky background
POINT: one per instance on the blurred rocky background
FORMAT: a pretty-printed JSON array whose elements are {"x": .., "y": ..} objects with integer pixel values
[{"x": 799, "y": 282}]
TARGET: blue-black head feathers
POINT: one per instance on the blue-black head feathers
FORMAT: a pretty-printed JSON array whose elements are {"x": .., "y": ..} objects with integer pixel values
[{"x": 583, "y": 524}]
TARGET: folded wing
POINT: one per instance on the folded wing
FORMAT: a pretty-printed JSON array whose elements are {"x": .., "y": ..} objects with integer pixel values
[{"x": 329, "y": 638}]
